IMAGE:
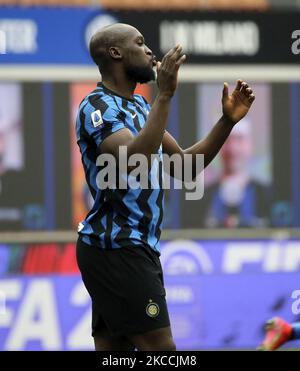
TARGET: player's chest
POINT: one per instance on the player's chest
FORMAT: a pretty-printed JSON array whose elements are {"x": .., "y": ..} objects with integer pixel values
[{"x": 135, "y": 118}]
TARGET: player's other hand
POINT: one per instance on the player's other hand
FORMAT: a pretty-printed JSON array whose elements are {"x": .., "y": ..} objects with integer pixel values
[
  {"x": 167, "y": 71},
  {"x": 237, "y": 105}
]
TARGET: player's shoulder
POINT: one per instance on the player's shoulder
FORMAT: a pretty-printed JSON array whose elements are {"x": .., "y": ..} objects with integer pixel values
[{"x": 97, "y": 100}]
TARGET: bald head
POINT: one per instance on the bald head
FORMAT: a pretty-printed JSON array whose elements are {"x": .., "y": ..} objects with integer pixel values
[
  {"x": 120, "y": 52},
  {"x": 109, "y": 37}
]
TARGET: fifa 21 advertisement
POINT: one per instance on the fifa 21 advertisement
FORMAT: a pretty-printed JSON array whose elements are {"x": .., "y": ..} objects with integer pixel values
[{"x": 219, "y": 294}]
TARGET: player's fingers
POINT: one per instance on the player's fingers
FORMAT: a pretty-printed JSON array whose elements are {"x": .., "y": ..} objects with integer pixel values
[
  {"x": 180, "y": 60},
  {"x": 178, "y": 53},
  {"x": 172, "y": 58},
  {"x": 238, "y": 85},
  {"x": 225, "y": 90},
  {"x": 158, "y": 64},
  {"x": 249, "y": 91},
  {"x": 251, "y": 98},
  {"x": 170, "y": 53},
  {"x": 244, "y": 87},
  {"x": 178, "y": 57}
]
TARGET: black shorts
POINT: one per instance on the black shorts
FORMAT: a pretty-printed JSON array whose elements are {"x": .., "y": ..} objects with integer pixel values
[{"x": 126, "y": 287}]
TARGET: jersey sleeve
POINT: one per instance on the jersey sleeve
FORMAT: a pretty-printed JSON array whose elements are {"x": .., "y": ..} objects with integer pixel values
[{"x": 101, "y": 119}]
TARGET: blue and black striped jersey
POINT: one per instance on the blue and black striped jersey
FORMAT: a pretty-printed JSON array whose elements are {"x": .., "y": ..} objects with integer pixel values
[{"x": 119, "y": 217}]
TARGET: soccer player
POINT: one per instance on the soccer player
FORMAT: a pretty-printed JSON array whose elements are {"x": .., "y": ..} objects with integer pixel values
[
  {"x": 118, "y": 244},
  {"x": 278, "y": 332}
]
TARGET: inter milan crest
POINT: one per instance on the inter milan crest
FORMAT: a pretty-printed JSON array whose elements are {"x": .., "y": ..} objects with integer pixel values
[{"x": 152, "y": 309}]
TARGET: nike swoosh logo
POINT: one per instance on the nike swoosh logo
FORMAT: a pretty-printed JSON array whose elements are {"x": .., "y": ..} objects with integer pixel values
[{"x": 133, "y": 116}]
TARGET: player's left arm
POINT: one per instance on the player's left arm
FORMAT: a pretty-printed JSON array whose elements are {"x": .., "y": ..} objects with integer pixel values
[{"x": 235, "y": 106}]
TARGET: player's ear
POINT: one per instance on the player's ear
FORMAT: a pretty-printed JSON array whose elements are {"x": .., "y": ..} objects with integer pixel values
[{"x": 115, "y": 52}]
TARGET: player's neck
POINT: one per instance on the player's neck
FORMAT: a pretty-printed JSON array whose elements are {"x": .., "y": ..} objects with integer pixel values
[{"x": 123, "y": 87}]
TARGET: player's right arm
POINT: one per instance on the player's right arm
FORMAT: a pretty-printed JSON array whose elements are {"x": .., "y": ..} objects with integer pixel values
[{"x": 149, "y": 139}]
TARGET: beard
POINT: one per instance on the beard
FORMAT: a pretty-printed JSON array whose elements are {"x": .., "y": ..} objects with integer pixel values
[{"x": 140, "y": 74}]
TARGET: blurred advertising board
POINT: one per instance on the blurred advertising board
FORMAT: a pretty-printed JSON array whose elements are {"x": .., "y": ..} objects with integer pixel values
[
  {"x": 206, "y": 37},
  {"x": 49, "y": 191},
  {"x": 220, "y": 293}
]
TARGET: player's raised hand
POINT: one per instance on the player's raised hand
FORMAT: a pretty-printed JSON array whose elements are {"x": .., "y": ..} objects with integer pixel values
[
  {"x": 237, "y": 105},
  {"x": 167, "y": 70}
]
